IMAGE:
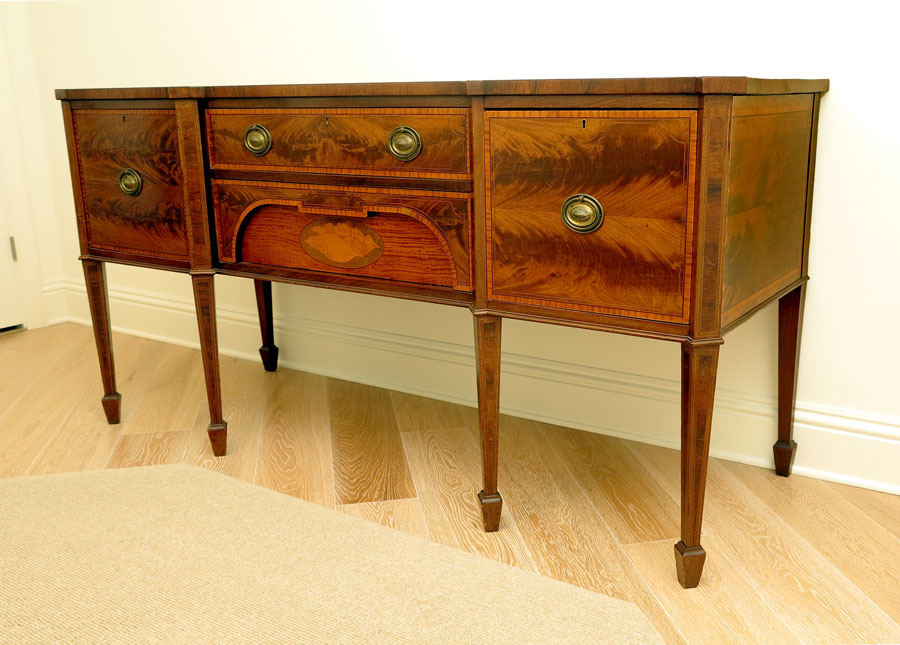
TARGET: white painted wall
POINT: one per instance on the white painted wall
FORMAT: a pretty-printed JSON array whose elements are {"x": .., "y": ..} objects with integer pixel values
[
  {"x": 848, "y": 410},
  {"x": 21, "y": 219}
]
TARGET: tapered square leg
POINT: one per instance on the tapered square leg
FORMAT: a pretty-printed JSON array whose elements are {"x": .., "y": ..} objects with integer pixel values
[
  {"x": 784, "y": 456},
  {"x": 491, "y": 505},
  {"x": 204, "y": 299},
  {"x": 112, "y": 407},
  {"x": 95, "y": 283},
  {"x": 218, "y": 438},
  {"x": 268, "y": 351},
  {"x": 689, "y": 564},
  {"x": 790, "y": 321},
  {"x": 699, "y": 363},
  {"x": 269, "y": 356},
  {"x": 487, "y": 364}
]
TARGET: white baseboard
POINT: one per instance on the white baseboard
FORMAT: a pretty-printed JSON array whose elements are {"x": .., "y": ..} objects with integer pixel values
[
  {"x": 55, "y": 297},
  {"x": 835, "y": 444}
]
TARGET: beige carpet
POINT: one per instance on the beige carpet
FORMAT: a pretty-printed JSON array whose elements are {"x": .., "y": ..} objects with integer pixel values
[{"x": 178, "y": 554}]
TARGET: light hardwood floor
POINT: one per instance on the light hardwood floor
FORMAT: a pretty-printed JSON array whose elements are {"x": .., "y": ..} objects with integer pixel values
[{"x": 789, "y": 560}]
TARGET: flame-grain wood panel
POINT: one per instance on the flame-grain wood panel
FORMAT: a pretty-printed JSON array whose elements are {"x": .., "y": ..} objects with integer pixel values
[
  {"x": 150, "y": 223},
  {"x": 341, "y": 140},
  {"x": 638, "y": 164},
  {"x": 764, "y": 227},
  {"x": 425, "y": 236}
]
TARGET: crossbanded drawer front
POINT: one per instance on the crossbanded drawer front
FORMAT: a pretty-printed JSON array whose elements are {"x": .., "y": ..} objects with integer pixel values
[
  {"x": 406, "y": 236},
  {"x": 131, "y": 181},
  {"x": 399, "y": 142},
  {"x": 592, "y": 210}
]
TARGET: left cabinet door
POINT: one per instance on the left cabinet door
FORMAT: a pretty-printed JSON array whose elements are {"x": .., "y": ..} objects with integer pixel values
[{"x": 131, "y": 182}]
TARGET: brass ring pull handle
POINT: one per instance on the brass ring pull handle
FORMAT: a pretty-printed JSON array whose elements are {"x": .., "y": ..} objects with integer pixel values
[
  {"x": 582, "y": 213},
  {"x": 404, "y": 143},
  {"x": 257, "y": 140},
  {"x": 130, "y": 182}
]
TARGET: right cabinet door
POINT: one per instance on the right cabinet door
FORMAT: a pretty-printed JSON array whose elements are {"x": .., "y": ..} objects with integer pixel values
[{"x": 592, "y": 210}]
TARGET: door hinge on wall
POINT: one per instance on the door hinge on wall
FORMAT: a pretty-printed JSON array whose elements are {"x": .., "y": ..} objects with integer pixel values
[{"x": 12, "y": 248}]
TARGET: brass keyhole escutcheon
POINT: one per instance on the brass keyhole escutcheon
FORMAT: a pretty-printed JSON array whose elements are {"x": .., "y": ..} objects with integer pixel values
[
  {"x": 257, "y": 140},
  {"x": 130, "y": 182},
  {"x": 404, "y": 143},
  {"x": 582, "y": 213}
]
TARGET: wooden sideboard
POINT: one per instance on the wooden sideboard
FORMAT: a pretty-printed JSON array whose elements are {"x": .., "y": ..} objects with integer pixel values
[{"x": 669, "y": 208}]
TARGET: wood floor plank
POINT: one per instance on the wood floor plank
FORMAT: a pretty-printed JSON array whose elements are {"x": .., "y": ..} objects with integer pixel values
[
  {"x": 243, "y": 379},
  {"x": 37, "y": 415},
  {"x": 860, "y": 548},
  {"x": 812, "y": 597},
  {"x": 369, "y": 463},
  {"x": 631, "y": 502},
  {"x": 148, "y": 449},
  {"x": 417, "y": 413},
  {"x": 884, "y": 508},
  {"x": 723, "y": 609},
  {"x": 244, "y": 417},
  {"x": 29, "y": 357},
  {"x": 446, "y": 468},
  {"x": 295, "y": 439},
  {"x": 404, "y": 515},
  {"x": 563, "y": 530},
  {"x": 8, "y": 334},
  {"x": 173, "y": 396},
  {"x": 86, "y": 440}
]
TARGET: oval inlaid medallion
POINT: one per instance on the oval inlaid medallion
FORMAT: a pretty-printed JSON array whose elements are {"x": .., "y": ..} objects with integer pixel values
[{"x": 344, "y": 243}]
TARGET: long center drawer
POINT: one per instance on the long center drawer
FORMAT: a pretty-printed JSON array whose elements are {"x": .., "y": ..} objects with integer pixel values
[{"x": 400, "y": 142}]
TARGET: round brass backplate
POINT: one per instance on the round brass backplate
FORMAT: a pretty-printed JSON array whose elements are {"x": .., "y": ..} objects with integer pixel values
[
  {"x": 130, "y": 182},
  {"x": 582, "y": 213},
  {"x": 404, "y": 143},
  {"x": 257, "y": 140}
]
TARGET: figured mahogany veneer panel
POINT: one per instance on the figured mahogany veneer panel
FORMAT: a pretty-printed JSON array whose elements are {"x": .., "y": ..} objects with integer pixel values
[
  {"x": 150, "y": 223},
  {"x": 638, "y": 164},
  {"x": 342, "y": 140},
  {"x": 408, "y": 236},
  {"x": 767, "y": 191}
]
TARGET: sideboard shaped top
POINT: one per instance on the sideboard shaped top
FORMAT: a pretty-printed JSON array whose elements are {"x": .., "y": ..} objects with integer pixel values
[{"x": 682, "y": 85}]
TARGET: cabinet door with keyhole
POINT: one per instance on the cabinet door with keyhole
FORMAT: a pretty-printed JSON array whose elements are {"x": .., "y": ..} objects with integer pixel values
[
  {"x": 131, "y": 181},
  {"x": 592, "y": 210}
]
